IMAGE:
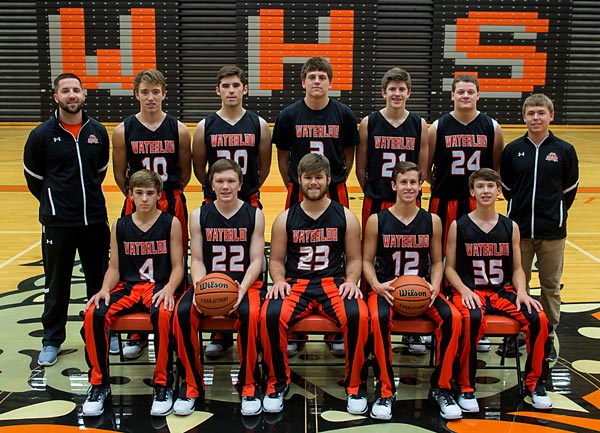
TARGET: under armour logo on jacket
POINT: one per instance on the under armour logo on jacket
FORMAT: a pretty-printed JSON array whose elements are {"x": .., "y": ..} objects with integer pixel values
[
  {"x": 49, "y": 241},
  {"x": 520, "y": 153},
  {"x": 56, "y": 139}
]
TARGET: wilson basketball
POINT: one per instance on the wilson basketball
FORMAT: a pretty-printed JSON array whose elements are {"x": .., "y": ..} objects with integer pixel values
[
  {"x": 216, "y": 294},
  {"x": 411, "y": 295}
]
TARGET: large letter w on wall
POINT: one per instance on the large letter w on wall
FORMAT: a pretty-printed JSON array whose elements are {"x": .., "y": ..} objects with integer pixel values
[
  {"x": 112, "y": 68},
  {"x": 267, "y": 51}
]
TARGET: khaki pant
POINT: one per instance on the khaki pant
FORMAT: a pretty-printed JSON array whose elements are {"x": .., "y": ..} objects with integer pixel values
[{"x": 550, "y": 257}]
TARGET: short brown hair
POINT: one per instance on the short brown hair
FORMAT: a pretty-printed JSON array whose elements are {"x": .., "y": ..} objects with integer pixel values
[
  {"x": 152, "y": 76},
  {"x": 538, "y": 100},
  {"x": 465, "y": 78},
  {"x": 223, "y": 164},
  {"x": 145, "y": 179},
  {"x": 316, "y": 64},
  {"x": 64, "y": 77},
  {"x": 313, "y": 163},
  {"x": 486, "y": 174},
  {"x": 228, "y": 71},
  {"x": 404, "y": 167},
  {"x": 395, "y": 74}
]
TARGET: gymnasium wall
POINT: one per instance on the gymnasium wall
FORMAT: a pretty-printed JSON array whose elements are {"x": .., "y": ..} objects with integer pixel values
[{"x": 515, "y": 47}]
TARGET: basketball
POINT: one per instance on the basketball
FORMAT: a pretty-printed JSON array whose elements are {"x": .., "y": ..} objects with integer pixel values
[
  {"x": 411, "y": 295},
  {"x": 216, "y": 294}
]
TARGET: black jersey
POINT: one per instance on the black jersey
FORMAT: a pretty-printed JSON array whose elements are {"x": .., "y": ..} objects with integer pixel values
[
  {"x": 238, "y": 142},
  {"x": 386, "y": 146},
  {"x": 316, "y": 247},
  {"x": 403, "y": 249},
  {"x": 226, "y": 241},
  {"x": 329, "y": 131},
  {"x": 154, "y": 150},
  {"x": 484, "y": 260},
  {"x": 459, "y": 151},
  {"x": 144, "y": 256}
]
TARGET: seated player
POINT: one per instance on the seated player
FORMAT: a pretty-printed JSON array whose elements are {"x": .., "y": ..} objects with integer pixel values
[
  {"x": 227, "y": 235},
  {"x": 146, "y": 266},
  {"x": 483, "y": 265},
  {"x": 315, "y": 264},
  {"x": 406, "y": 240}
]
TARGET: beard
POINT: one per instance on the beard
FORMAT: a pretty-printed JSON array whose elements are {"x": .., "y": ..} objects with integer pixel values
[
  {"x": 310, "y": 195},
  {"x": 66, "y": 108}
]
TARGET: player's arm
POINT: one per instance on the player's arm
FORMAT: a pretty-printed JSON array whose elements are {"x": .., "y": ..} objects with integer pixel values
[
  {"x": 349, "y": 288},
  {"x": 34, "y": 164},
  {"x": 469, "y": 298},
  {"x": 506, "y": 173},
  {"x": 185, "y": 153},
  {"x": 283, "y": 162},
  {"x": 361, "y": 152},
  {"x": 257, "y": 252},
  {"x": 103, "y": 160},
  {"x": 119, "y": 157},
  {"x": 432, "y": 138},
  {"x": 112, "y": 276},
  {"x": 368, "y": 269},
  {"x": 498, "y": 147},
  {"x": 277, "y": 258},
  {"x": 423, "y": 158},
  {"x": 197, "y": 267},
  {"x": 199, "y": 153},
  {"x": 349, "y": 159},
  {"x": 570, "y": 177},
  {"x": 165, "y": 295},
  {"x": 436, "y": 257},
  {"x": 265, "y": 150},
  {"x": 518, "y": 276}
]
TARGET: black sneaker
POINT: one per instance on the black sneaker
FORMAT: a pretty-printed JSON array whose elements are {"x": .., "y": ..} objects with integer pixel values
[
  {"x": 94, "y": 403},
  {"x": 442, "y": 398},
  {"x": 540, "y": 398},
  {"x": 162, "y": 405},
  {"x": 552, "y": 356},
  {"x": 511, "y": 349}
]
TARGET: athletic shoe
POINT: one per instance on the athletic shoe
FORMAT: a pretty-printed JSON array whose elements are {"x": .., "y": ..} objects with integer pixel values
[
  {"x": 218, "y": 345},
  {"x": 444, "y": 400},
  {"x": 48, "y": 356},
  {"x": 184, "y": 406},
  {"x": 338, "y": 349},
  {"x": 484, "y": 345},
  {"x": 540, "y": 398},
  {"x": 251, "y": 406},
  {"x": 292, "y": 349},
  {"x": 511, "y": 349},
  {"x": 162, "y": 405},
  {"x": 468, "y": 402},
  {"x": 94, "y": 403},
  {"x": 134, "y": 349},
  {"x": 113, "y": 347},
  {"x": 416, "y": 345},
  {"x": 382, "y": 408},
  {"x": 357, "y": 405},
  {"x": 273, "y": 403}
]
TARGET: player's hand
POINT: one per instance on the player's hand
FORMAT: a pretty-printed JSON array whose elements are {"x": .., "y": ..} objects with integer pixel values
[
  {"x": 240, "y": 297},
  {"x": 435, "y": 291},
  {"x": 471, "y": 300},
  {"x": 166, "y": 297},
  {"x": 528, "y": 302},
  {"x": 385, "y": 291},
  {"x": 349, "y": 290},
  {"x": 279, "y": 290},
  {"x": 97, "y": 298}
]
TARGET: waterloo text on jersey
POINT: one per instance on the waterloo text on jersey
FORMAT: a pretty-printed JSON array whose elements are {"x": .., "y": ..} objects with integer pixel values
[
  {"x": 466, "y": 140},
  {"x": 394, "y": 143},
  {"x": 406, "y": 241},
  {"x": 232, "y": 140},
  {"x": 487, "y": 249},
  {"x": 317, "y": 131},
  {"x": 145, "y": 248},
  {"x": 226, "y": 234},
  {"x": 153, "y": 146},
  {"x": 315, "y": 235}
]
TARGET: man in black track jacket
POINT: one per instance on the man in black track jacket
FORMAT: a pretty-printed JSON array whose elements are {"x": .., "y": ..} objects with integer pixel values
[
  {"x": 540, "y": 175},
  {"x": 65, "y": 161}
]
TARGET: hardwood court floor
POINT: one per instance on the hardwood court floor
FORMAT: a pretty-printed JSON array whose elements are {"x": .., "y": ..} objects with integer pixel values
[{"x": 37, "y": 399}]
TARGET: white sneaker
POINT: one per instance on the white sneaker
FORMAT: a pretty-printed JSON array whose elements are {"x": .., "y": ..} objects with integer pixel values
[
  {"x": 162, "y": 405},
  {"x": 94, "y": 403},
  {"x": 273, "y": 403},
  {"x": 427, "y": 339},
  {"x": 184, "y": 406},
  {"x": 416, "y": 345},
  {"x": 251, "y": 406},
  {"x": 356, "y": 405},
  {"x": 382, "y": 408},
  {"x": 468, "y": 402},
  {"x": 338, "y": 349},
  {"x": 292, "y": 349},
  {"x": 134, "y": 349},
  {"x": 214, "y": 350},
  {"x": 540, "y": 399},
  {"x": 484, "y": 345},
  {"x": 113, "y": 346},
  {"x": 444, "y": 400}
]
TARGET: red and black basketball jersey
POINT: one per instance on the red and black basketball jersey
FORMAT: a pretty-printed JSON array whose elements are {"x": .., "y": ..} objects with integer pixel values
[
  {"x": 403, "y": 249},
  {"x": 316, "y": 247},
  {"x": 144, "y": 256},
  {"x": 386, "y": 146},
  {"x": 329, "y": 131},
  {"x": 238, "y": 142},
  {"x": 154, "y": 150},
  {"x": 459, "y": 151},
  {"x": 484, "y": 260},
  {"x": 226, "y": 241}
]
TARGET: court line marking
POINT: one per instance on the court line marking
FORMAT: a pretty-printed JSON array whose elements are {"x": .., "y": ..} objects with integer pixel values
[
  {"x": 585, "y": 233},
  {"x": 25, "y": 251},
  {"x": 584, "y": 252},
  {"x": 19, "y": 232}
]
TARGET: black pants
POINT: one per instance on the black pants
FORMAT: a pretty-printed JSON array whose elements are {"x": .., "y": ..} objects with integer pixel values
[{"x": 58, "y": 251}]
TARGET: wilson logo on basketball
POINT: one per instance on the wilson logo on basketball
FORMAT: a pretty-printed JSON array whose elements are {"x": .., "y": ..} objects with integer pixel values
[
  {"x": 213, "y": 285},
  {"x": 413, "y": 292}
]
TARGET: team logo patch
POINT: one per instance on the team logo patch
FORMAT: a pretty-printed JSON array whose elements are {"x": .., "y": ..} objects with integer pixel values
[
  {"x": 553, "y": 157},
  {"x": 92, "y": 139}
]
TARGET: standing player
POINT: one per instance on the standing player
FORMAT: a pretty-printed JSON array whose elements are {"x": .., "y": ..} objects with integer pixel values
[
  {"x": 65, "y": 161},
  {"x": 483, "y": 265},
  {"x": 227, "y": 235},
  {"x": 315, "y": 264},
  {"x": 232, "y": 133},
  {"x": 406, "y": 240},
  {"x": 157, "y": 141},
  {"x": 540, "y": 175},
  {"x": 316, "y": 124},
  {"x": 145, "y": 269}
]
